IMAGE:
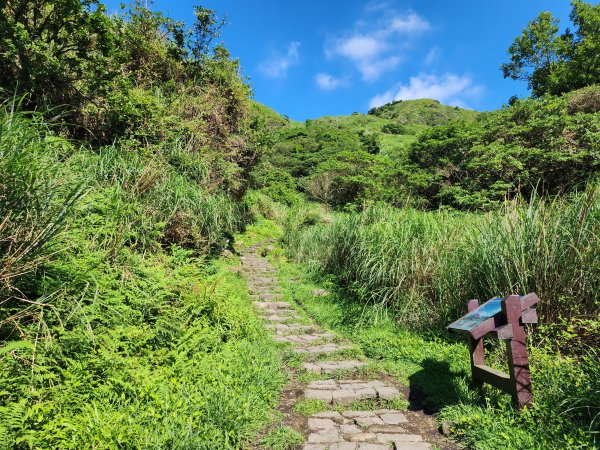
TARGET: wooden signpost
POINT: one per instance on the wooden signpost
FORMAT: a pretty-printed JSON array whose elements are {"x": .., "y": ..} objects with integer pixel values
[{"x": 503, "y": 318}]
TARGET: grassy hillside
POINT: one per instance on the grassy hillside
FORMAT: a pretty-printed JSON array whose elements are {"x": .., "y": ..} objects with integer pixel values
[
  {"x": 118, "y": 326},
  {"x": 424, "y": 112},
  {"x": 269, "y": 117},
  {"x": 395, "y": 125},
  {"x": 431, "y": 155},
  {"x": 362, "y": 148}
]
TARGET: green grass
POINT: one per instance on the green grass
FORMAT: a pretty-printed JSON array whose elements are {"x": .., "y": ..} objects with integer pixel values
[
  {"x": 423, "y": 265},
  {"x": 281, "y": 438},
  {"x": 125, "y": 333},
  {"x": 396, "y": 277},
  {"x": 310, "y": 406}
]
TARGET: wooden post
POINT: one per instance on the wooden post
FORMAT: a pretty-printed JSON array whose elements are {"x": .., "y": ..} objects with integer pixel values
[
  {"x": 518, "y": 361},
  {"x": 476, "y": 345}
]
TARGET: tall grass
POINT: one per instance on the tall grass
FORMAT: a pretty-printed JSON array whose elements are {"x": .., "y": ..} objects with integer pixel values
[
  {"x": 156, "y": 202},
  {"x": 115, "y": 330},
  {"x": 420, "y": 268},
  {"x": 426, "y": 265},
  {"x": 34, "y": 205}
]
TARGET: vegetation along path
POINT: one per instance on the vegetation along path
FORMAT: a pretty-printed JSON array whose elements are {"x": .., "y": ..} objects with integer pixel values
[{"x": 358, "y": 408}]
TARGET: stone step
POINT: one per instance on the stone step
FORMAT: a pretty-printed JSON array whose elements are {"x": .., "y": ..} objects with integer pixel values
[
  {"x": 278, "y": 312},
  {"x": 264, "y": 291},
  {"x": 324, "y": 348},
  {"x": 351, "y": 430},
  {"x": 272, "y": 305},
  {"x": 348, "y": 391},
  {"x": 262, "y": 284},
  {"x": 332, "y": 366},
  {"x": 304, "y": 338},
  {"x": 266, "y": 297},
  {"x": 277, "y": 318},
  {"x": 360, "y": 430},
  {"x": 265, "y": 280},
  {"x": 282, "y": 329}
]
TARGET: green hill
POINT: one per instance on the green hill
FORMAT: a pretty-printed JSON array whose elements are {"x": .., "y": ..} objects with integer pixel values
[
  {"x": 395, "y": 125},
  {"x": 271, "y": 118},
  {"x": 424, "y": 111}
]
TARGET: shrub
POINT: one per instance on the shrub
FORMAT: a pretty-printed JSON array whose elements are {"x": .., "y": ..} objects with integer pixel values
[
  {"x": 585, "y": 100},
  {"x": 393, "y": 128}
]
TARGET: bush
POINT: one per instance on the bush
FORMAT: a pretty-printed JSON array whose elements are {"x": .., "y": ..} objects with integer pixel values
[
  {"x": 393, "y": 128},
  {"x": 532, "y": 146},
  {"x": 585, "y": 100}
]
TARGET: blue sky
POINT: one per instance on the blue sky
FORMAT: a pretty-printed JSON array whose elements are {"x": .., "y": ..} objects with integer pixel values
[{"x": 311, "y": 58}]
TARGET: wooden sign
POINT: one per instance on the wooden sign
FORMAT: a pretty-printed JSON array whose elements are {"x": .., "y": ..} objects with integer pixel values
[
  {"x": 502, "y": 318},
  {"x": 488, "y": 317},
  {"x": 477, "y": 317}
]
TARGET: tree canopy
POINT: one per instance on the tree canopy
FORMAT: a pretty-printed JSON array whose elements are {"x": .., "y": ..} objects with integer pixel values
[{"x": 554, "y": 63}]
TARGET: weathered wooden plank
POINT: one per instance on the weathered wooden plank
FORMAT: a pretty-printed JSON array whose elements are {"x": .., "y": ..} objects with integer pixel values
[
  {"x": 476, "y": 345},
  {"x": 494, "y": 377},
  {"x": 503, "y": 332},
  {"x": 518, "y": 359},
  {"x": 529, "y": 316},
  {"x": 529, "y": 300}
]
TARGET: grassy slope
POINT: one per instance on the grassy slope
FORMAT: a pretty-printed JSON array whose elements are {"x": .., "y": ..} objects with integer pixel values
[
  {"x": 434, "y": 364},
  {"x": 133, "y": 341},
  {"x": 271, "y": 118},
  {"x": 415, "y": 115},
  {"x": 423, "y": 111}
]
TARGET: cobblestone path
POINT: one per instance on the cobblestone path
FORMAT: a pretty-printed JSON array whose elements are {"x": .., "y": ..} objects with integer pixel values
[{"x": 336, "y": 429}]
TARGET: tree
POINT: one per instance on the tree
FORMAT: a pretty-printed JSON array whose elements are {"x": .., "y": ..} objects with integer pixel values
[
  {"x": 58, "y": 52},
  {"x": 556, "y": 63}
]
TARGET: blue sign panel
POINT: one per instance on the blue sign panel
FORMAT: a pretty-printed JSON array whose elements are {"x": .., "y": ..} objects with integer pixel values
[{"x": 475, "y": 318}]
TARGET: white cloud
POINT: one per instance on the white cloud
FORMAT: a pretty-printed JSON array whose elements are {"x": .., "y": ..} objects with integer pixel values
[
  {"x": 328, "y": 82},
  {"x": 371, "y": 70},
  {"x": 360, "y": 48},
  {"x": 377, "y": 46},
  {"x": 278, "y": 65},
  {"x": 433, "y": 56},
  {"x": 449, "y": 88},
  {"x": 375, "y": 6},
  {"x": 412, "y": 23}
]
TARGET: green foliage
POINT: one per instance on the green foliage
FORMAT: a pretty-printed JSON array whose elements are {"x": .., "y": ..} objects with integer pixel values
[
  {"x": 137, "y": 78},
  {"x": 278, "y": 184},
  {"x": 347, "y": 177},
  {"x": 115, "y": 332},
  {"x": 299, "y": 149},
  {"x": 58, "y": 53},
  {"x": 423, "y": 265},
  {"x": 169, "y": 357},
  {"x": 553, "y": 63},
  {"x": 392, "y": 128},
  {"x": 436, "y": 367},
  {"x": 534, "y": 145},
  {"x": 266, "y": 115},
  {"x": 35, "y": 204},
  {"x": 308, "y": 407},
  {"x": 421, "y": 112},
  {"x": 348, "y": 161}
]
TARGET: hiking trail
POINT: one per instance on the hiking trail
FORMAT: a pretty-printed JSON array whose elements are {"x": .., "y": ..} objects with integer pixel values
[{"x": 342, "y": 426}]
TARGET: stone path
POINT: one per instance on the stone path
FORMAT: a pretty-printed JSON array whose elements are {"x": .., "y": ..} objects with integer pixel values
[{"x": 382, "y": 429}]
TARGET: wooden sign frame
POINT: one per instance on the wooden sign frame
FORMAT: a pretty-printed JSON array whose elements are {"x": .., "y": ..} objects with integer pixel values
[{"x": 507, "y": 325}]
